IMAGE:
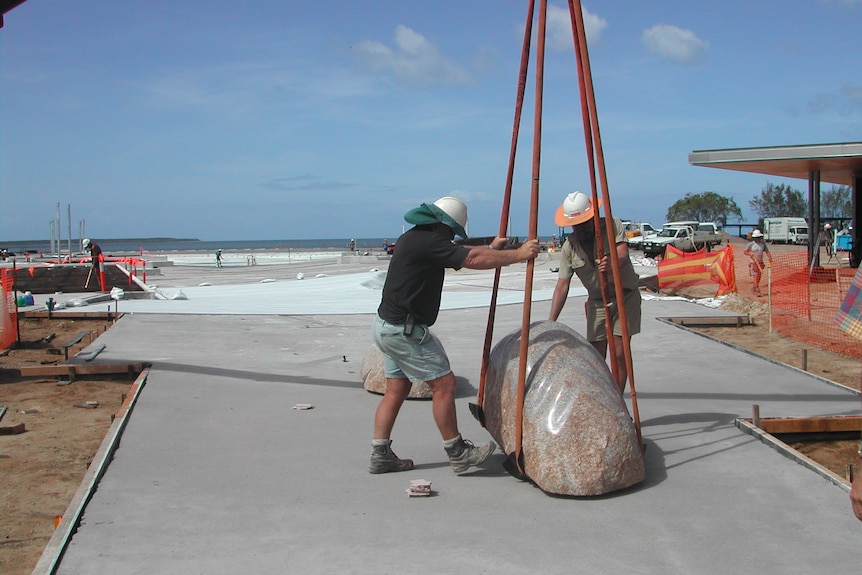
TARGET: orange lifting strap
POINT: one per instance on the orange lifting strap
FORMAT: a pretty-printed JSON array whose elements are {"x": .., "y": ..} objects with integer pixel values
[{"x": 595, "y": 157}]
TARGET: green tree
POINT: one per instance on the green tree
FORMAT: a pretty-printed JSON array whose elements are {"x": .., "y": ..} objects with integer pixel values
[
  {"x": 704, "y": 207},
  {"x": 779, "y": 201},
  {"x": 836, "y": 203}
]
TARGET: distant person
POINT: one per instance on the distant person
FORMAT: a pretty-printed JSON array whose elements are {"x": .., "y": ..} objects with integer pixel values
[
  {"x": 218, "y": 258},
  {"x": 578, "y": 255},
  {"x": 385, "y": 245},
  {"x": 828, "y": 238},
  {"x": 95, "y": 253},
  {"x": 756, "y": 250},
  {"x": 409, "y": 306},
  {"x": 351, "y": 245}
]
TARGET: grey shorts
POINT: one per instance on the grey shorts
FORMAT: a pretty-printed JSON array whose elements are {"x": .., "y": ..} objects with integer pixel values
[{"x": 416, "y": 357}]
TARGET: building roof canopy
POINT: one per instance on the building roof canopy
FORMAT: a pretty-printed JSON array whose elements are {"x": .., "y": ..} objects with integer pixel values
[{"x": 837, "y": 163}]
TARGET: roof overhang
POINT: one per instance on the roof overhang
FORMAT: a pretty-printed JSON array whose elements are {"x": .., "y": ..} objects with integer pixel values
[
  {"x": 7, "y": 5},
  {"x": 837, "y": 163}
]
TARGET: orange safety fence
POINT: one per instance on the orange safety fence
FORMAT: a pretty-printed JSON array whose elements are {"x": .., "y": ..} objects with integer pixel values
[
  {"x": 802, "y": 299},
  {"x": 678, "y": 269},
  {"x": 8, "y": 309}
]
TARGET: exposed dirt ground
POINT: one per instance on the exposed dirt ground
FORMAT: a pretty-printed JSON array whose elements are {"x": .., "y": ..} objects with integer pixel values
[{"x": 42, "y": 468}]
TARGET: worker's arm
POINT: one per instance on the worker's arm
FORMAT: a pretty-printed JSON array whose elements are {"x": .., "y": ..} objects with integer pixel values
[
  {"x": 561, "y": 292},
  {"x": 622, "y": 257},
  {"x": 486, "y": 258}
]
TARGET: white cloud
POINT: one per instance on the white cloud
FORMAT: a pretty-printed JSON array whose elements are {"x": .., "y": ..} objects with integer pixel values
[
  {"x": 413, "y": 59},
  {"x": 559, "y": 27},
  {"x": 674, "y": 43}
]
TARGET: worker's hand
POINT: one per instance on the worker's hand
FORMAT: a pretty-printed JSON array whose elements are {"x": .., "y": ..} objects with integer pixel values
[
  {"x": 499, "y": 243},
  {"x": 602, "y": 264},
  {"x": 529, "y": 249}
]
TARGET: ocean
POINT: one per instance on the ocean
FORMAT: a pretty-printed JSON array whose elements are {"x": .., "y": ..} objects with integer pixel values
[{"x": 137, "y": 245}]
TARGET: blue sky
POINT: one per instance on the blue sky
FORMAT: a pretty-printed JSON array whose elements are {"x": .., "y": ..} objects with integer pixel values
[{"x": 290, "y": 120}]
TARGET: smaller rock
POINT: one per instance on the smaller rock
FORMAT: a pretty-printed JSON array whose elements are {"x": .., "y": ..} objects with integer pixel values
[{"x": 371, "y": 372}]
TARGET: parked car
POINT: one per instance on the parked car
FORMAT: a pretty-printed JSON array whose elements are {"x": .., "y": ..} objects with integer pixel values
[{"x": 636, "y": 232}]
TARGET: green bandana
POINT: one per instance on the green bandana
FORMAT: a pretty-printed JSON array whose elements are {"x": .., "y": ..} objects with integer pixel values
[{"x": 431, "y": 214}]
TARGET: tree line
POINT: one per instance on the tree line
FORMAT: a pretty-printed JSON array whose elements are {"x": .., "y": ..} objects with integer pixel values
[{"x": 774, "y": 201}]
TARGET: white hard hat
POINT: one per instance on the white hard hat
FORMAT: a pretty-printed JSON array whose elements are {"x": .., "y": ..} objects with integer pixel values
[
  {"x": 827, "y": 227},
  {"x": 86, "y": 242},
  {"x": 457, "y": 210},
  {"x": 576, "y": 209},
  {"x": 757, "y": 234}
]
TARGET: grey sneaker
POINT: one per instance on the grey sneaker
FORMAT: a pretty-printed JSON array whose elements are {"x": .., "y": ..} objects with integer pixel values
[
  {"x": 465, "y": 455},
  {"x": 384, "y": 460}
]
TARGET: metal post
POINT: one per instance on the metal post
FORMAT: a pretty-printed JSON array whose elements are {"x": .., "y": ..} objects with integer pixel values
[
  {"x": 59, "y": 233},
  {"x": 69, "y": 224}
]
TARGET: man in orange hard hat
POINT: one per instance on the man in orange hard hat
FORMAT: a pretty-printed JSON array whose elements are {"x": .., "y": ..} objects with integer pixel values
[{"x": 578, "y": 255}]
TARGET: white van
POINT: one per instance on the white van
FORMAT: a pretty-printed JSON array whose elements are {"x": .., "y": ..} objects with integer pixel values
[{"x": 785, "y": 230}]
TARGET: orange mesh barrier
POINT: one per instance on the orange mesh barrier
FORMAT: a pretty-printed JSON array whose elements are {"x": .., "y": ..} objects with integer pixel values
[
  {"x": 803, "y": 301},
  {"x": 8, "y": 309}
]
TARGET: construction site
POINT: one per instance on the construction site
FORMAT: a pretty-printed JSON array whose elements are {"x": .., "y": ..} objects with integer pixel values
[{"x": 174, "y": 419}]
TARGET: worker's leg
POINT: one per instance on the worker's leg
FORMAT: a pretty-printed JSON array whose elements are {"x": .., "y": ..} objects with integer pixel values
[
  {"x": 383, "y": 459},
  {"x": 601, "y": 347},
  {"x": 389, "y": 406},
  {"x": 443, "y": 405},
  {"x": 622, "y": 371},
  {"x": 462, "y": 453}
]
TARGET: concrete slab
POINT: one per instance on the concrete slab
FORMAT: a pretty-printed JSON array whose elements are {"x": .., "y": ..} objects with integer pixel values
[{"x": 216, "y": 473}]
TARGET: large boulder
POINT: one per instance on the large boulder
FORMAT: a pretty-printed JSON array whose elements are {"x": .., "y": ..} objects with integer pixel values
[
  {"x": 578, "y": 437},
  {"x": 371, "y": 373}
]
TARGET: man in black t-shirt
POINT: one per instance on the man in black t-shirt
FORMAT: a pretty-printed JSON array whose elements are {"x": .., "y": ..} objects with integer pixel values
[
  {"x": 95, "y": 253},
  {"x": 410, "y": 304}
]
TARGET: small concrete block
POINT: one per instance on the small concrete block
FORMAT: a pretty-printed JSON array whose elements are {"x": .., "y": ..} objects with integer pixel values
[{"x": 419, "y": 488}]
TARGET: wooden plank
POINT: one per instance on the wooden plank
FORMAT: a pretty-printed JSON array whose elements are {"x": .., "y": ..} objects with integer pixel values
[
  {"x": 77, "y": 370},
  {"x": 715, "y": 320},
  {"x": 71, "y": 518},
  {"x": 78, "y": 337},
  {"x": 92, "y": 355},
  {"x": 71, "y": 314},
  {"x": 13, "y": 429},
  {"x": 811, "y": 424}
]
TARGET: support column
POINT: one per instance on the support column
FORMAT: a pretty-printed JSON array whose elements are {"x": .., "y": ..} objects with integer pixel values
[
  {"x": 856, "y": 247},
  {"x": 814, "y": 217}
]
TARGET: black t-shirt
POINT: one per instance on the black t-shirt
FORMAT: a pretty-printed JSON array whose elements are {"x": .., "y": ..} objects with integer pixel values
[
  {"x": 95, "y": 252},
  {"x": 414, "y": 282}
]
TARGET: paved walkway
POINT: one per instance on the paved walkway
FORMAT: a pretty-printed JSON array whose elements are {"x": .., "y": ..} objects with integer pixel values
[{"x": 216, "y": 473}]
